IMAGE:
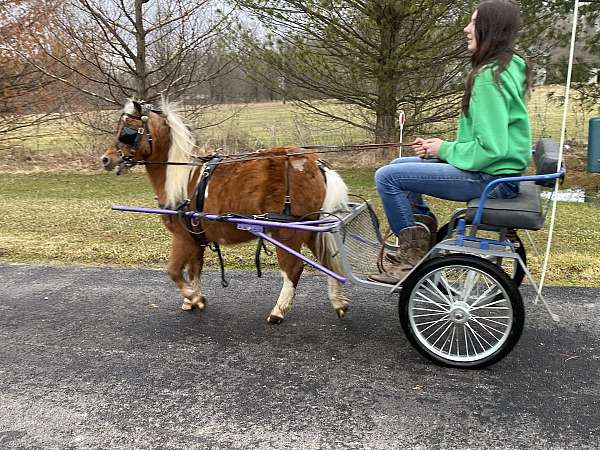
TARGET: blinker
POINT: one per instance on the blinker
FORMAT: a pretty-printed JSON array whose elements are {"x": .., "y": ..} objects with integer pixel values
[{"x": 129, "y": 136}]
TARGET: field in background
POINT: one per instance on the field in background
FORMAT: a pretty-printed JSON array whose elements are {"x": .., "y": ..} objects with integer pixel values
[
  {"x": 66, "y": 219},
  {"x": 275, "y": 124},
  {"x": 66, "y": 143},
  {"x": 272, "y": 124},
  {"x": 55, "y": 200},
  {"x": 545, "y": 112}
]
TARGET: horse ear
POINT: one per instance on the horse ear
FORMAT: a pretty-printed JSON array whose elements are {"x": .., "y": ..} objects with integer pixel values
[{"x": 132, "y": 107}]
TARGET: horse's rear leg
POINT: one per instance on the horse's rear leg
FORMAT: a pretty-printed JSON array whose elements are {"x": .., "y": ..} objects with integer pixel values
[
  {"x": 182, "y": 252},
  {"x": 322, "y": 246},
  {"x": 291, "y": 269},
  {"x": 338, "y": 299}
]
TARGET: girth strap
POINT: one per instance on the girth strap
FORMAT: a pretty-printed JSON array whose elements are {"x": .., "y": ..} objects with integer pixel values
[
  {"x": 260, "y": 246},
  {"x": 197, "y": 199},
  {"x": 198, "y": 204},
  {"x": 207, "y": 171}
]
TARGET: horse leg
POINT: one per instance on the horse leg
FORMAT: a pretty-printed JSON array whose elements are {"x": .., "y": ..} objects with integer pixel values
[
  {"x": 338, "y": 300},
  {"x": 321, "y": 247},
  {"x": 179, "y": 256},
  {"x": 291, "y": 269},
  {"x": 194, "y": 270}
]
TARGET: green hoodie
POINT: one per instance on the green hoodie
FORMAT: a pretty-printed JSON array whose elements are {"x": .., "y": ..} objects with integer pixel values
[{"x": 496, "y": 137}]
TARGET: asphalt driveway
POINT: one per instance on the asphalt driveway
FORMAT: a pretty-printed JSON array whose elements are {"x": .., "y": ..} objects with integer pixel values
[{"x": 104, "y": 358}]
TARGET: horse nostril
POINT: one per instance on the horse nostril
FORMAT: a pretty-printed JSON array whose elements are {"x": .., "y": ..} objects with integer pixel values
[{"x": 105, "y": 161}]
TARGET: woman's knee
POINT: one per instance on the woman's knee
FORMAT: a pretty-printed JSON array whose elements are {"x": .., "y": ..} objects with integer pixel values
[
  {"x": 392, "y": 174},
  {"x": 382, "y": 175}
]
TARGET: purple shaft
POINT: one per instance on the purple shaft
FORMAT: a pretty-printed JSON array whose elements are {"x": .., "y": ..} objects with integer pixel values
[
  {"x": 299, "y": 255},
  {"x": 327, "y": 224}
]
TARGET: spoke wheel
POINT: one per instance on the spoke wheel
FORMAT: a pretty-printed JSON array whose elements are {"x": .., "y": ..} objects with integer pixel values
[
  {"x": 509, "y": 265},
  {"x": 461, "y": 311}
]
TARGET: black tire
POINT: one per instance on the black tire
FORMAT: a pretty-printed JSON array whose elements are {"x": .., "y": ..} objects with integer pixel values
[
  {"x": 517, "y": 273},
  {"x": 462, "y": 322}
]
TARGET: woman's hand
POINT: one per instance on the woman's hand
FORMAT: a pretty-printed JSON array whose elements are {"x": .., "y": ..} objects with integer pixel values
[{"x": 427, "y": 148}]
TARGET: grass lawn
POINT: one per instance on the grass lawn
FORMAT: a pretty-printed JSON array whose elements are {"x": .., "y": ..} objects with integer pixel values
[{"x": 66, "y": 219}]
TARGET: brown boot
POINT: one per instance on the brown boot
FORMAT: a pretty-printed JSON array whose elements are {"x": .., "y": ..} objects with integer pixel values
[
  {"x": 413, "y": 245},
  {"x": 432, "y": 225},
  {"x": 423, "y": 220},
  {"x": 392, "y": 275}
]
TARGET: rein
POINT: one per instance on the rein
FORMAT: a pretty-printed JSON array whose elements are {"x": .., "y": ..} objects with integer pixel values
[
  {"x": 132, "y": 137},
  {"x": 251, "y": 156}
]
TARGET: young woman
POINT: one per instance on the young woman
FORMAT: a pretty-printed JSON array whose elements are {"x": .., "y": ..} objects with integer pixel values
[{"x": 493, "y": 140}]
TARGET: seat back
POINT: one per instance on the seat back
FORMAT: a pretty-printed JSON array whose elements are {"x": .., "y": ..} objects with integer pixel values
[
  {"x": 545, "y": 158},
  {"x": 525, "y": 210}
]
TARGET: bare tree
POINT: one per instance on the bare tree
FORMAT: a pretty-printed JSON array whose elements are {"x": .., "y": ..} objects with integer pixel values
[
  {"x": 115, "y": 49},
  {"x": 26, "y": 97}
]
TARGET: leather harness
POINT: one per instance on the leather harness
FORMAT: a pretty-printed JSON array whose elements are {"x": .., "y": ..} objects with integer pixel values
[
  {"x": 196, "y": 203},
  {"x": 132, "y": 137}
]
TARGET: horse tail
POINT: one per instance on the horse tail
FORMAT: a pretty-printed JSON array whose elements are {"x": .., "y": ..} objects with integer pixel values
[
  {"x": 182, "y": 146},
  {"x": 336, "y": 199}
]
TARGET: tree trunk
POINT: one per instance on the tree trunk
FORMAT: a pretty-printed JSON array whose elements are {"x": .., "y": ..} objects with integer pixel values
[
  {"x": 140, "y": 60},
  {"x": 385, "y": 126}
]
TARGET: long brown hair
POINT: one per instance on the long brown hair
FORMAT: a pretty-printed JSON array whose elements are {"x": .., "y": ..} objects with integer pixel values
[{"x": 496, "y": 27}]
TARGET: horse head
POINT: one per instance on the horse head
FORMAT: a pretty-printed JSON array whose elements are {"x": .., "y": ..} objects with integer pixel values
[
  {"x": 158, "y": 139},
  {"x": 134, "y": 139}
]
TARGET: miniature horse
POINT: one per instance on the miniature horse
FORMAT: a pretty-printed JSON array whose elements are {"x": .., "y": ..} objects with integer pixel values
[{"x": 253, "y": 186}]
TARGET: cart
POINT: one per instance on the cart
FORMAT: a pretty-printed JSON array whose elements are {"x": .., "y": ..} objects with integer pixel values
[{"x": 460, "y": 306}]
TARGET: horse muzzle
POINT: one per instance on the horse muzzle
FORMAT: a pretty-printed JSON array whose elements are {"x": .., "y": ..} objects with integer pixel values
[
  {"x": 110, "y": 163},
  {"x": 107, "y": 163}
]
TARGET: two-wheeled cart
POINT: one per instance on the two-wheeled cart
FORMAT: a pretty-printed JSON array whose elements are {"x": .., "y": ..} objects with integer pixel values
[{"x": 460, "y": 306}]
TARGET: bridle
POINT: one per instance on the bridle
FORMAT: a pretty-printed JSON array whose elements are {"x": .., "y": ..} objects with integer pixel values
[{"x": 132, "y": 137}]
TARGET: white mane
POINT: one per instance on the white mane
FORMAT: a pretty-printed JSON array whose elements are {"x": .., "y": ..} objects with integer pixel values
[{"x": 183, "y": 144}]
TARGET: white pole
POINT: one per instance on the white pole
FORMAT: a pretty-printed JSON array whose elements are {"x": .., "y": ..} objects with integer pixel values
[
  {"x": 401, "y": 119},
  {"x": 561, "y": 146}
]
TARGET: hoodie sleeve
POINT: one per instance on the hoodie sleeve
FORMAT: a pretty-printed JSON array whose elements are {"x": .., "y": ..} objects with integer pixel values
[{"x": 488, "y": 112}]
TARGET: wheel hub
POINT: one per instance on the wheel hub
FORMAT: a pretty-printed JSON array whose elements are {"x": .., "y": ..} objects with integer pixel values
[{"x": 459, "y": 313}]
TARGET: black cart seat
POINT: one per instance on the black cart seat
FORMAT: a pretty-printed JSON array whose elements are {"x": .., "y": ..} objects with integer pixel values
[{"x": 524, "y": 211}]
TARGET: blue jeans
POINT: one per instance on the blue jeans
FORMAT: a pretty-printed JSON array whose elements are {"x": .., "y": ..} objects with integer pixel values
[{"x": 401, "y": 183}]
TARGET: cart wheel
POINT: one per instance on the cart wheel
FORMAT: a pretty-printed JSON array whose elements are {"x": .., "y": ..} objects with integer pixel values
[
  {"x": 461, "y": 311},
  {"x": 509, "y": 265}
]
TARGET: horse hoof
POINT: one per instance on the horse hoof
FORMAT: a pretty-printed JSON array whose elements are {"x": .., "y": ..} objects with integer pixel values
[
  {"x": 199, "y": 303},
  {"x": 187, "y": 306},
  {"x": 274, "y": 320},
  {"x": 341, "y": 312}
]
